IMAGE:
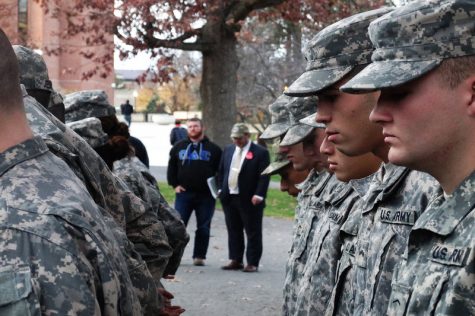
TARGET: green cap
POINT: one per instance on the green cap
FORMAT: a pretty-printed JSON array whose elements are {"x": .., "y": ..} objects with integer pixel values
[
  {"x": 415, "y": 39},
  {"x": 238, "y": 130},
  {"x": 334, "y": 52}
]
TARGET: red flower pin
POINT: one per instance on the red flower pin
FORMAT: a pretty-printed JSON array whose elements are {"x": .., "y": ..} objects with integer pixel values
[{"x": 249, "y": 155}]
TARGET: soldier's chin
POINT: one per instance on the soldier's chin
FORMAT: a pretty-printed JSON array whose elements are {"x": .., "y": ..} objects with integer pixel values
[{"x": 400, "y": 158}]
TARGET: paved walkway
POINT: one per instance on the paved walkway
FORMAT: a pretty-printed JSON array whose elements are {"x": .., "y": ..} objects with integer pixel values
[{"x": 209, "y": 290}]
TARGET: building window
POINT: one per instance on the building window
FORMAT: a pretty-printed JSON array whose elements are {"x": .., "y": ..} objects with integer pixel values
[{"x": 23, "y": 20}]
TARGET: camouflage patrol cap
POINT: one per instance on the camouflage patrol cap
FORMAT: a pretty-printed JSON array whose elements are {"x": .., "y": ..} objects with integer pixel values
[
  {"x": 299, "y": 108},
  {"x": 415, "y": 39},
  {"x": 87, "y": 103},
  {"x": 279, "y": 118},
  {"x": 33, "y": 70},
  {"x": 276, "y": 166},
  {"x": 311, "y": 121},
  {"x": 91, "y": 130},
  {"x": 334, "y": 52},
  {"x": 238, "y": 130}
]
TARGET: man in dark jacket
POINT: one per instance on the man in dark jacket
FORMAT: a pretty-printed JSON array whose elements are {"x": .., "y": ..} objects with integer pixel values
[
  {"x": 192, "y": 161},
  {"x": 126, "y": 110},
  {"x": 177, "y": 133},
  {"x": 243, "y": 191}
]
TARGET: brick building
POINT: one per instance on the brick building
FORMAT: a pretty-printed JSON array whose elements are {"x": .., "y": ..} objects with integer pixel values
[{"x": 25, "y": 21}]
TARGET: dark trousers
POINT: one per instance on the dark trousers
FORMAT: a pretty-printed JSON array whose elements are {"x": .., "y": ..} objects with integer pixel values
[
  {"x": 244, "y": 217},
  {"x": 203, "y": 205}
]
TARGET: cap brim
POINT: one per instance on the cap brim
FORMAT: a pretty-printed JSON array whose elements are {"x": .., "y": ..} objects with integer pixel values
[
  {"x": 310, "y": 121},
  {"x": 274, "y": 130},
  {"x": 275, "y": 167},
  {"x": 313, "y": 81},
  {"x": 296, "y": 134},
  {"x": 386, "y": 74}
]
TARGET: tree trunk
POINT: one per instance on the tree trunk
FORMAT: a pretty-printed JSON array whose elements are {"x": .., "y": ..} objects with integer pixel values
[{"x": 219, "y": 81}]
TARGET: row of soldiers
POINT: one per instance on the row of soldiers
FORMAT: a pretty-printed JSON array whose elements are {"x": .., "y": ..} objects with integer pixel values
[
  {"x": 384, "y": 117},
  {"x": 84, "y": 229}
]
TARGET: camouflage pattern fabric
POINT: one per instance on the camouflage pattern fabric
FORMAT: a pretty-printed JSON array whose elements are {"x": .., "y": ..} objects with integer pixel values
[
  {"x": 311, "y": 120},
  {"x": 279, "y": 118},
  {"x": 344, "y": 290},
  {"x": 88, "y": 103},
  {"x": 238, "y": 130},
  {"x": 178, "y": 238},
  {"x": 91, "y": 130},
  {"x": 306, "y": 217},
  {"x": 33, "y": 70},
  {"x": 299, "y": 108},
  {"x": 396, "y": 198},
  {"x": 129, "y": 212},
  {"x": 435, "y": 275},
  {"x": 277, "y": 165},
  {"x": 334, "y": 52},
  {"x": 56, "y": 251},
  {"x": 414, "y": 39},
  {"x": 131, "y": 171},
  {"x": 319, "y": 274}
]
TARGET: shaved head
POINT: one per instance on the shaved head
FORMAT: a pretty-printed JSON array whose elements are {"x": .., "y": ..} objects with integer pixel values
[{"x": 10, "y": 92}]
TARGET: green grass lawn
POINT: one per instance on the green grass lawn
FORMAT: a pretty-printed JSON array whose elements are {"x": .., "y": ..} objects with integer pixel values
[{"x": 279, "y": 204}]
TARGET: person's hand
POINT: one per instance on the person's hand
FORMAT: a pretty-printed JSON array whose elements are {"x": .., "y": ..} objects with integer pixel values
[
  {"x": 169, "y": 309},
  {"x": 167, "y": 296},
  {"x": 256, "y": 200},
  {"x": 179, "y": 189}
]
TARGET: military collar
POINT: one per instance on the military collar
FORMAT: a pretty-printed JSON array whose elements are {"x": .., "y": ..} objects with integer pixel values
[
  {"x": 443, "y": 215},
  {"x": 352, "y": 224},
  {"x": 336, "y": 191},
  {"x": 386, "y": 180},
  {"x": 26, "y": 150},
  {"x": 39, "y": 119},
  {"x": 311, "y": 177},
  {"x": 361, "y": 186}
]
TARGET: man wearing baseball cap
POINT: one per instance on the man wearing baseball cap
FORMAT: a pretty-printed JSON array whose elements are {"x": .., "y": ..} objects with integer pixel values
[
  {"x": 242, "y": 192},
  {"x": 394, "y": 190},
  {"x": 424, "y": 65}
]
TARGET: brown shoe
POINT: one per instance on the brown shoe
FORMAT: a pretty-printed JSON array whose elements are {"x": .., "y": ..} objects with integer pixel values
[
  {"x": 199, "y": 262},
  {"x": 233, "y": 265},
  {"x": 250, "y": 268}
]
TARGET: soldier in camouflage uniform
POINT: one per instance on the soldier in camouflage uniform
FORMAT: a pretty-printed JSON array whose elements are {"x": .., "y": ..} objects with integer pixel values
[
  {"x": 301, "y": 145},
  {"x": 289, "y": 177},
  {"x": 34, "y": 76},
  {"x": 57, "y": 254},
  {"x": 397, "y": 195},
  {"x": 123, "y": 206},
  {"x": 174, "y": 227},
  {"x": 276, "y": 131},
  {"x": 139, "y": 179},
  {"x": 338, "y": 201},
  {"x": 94, "y": 103},
  {"x": 424, "y": 64}
]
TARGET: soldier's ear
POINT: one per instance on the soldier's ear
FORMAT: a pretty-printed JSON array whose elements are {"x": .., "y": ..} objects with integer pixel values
[{"x": 469, "y": 88}]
